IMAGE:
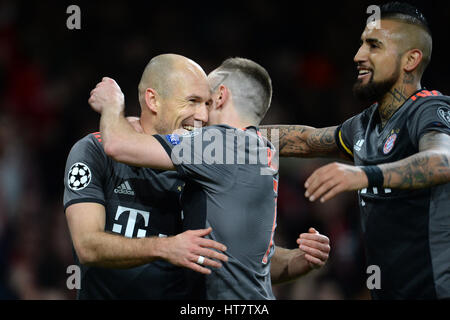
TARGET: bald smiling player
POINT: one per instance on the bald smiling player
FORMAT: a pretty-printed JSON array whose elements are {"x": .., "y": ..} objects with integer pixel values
[
  {"x": 236, "y": 200},
  {"x": 124, "y": 221}
]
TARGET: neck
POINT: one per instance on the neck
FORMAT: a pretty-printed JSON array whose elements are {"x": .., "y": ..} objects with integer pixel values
[
  {"x": 147, "y": 124},
  {"x": 394, "y": 99},
  {"x": 233, "y": 119}
]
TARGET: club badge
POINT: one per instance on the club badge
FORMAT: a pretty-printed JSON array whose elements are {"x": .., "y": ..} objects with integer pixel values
[{"x": 389, "y": 144}]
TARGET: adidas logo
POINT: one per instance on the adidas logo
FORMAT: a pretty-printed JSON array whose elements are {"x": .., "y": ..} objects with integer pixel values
[{"x": 124, "y": 188}]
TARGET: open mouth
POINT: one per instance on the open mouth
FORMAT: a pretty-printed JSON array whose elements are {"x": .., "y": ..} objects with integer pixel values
[
  {"x": 188, "y": 127},
  {"x": 364, "y": 72}
]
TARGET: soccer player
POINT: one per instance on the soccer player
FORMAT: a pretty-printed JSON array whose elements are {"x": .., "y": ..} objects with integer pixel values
[
  {"x": 236, "y": 200},
  {"x": 108, "y": 202},
  {"x": 125, "y": 222},
  {"x": 400, "y": 146}
]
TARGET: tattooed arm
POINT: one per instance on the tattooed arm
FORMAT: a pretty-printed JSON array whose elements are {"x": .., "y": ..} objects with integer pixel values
[
  {"x": 303, "y": 141},
  {"x": 424, "y": 169},
  {"x": 429, "y": 167}
]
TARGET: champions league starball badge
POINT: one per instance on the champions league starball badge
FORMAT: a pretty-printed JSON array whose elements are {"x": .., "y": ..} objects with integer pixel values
[
  {"x": 444, "y": 115},
  {"x": 79, "y": 176}
]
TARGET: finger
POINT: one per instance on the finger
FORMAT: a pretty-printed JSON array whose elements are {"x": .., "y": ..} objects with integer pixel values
[
  {"x": 314, "y": 252},
  {"x": 315, "y": 237},
  {"x": 322, "y": 188},
  {"x": 207, "y": 243},
  {"x": 316, "y": 175},
  {"x": 312, "y": 230},
  {"x": 211, "y": 254},
  {"x": 211, "y": 263},
  {"x": 311, "y": 181},
  {"x": 332, "y": 193},
  {"x": 202, "y": 232},
  {"x": 314, "y": 245},
  {"x": 318, "y": 179},
  {"x": 311, "y": 178},
  {"x": 314, "y": 260},
  {"x": 196, "y": 267}
]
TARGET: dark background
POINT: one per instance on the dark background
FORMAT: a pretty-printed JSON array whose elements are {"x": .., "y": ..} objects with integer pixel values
[{"x": 47, "y": 72}]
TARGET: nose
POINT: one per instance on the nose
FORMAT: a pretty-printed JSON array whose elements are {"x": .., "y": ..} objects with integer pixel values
[
  {"x": 361, "y": 55},
  {"x": 201, "y": 113}
]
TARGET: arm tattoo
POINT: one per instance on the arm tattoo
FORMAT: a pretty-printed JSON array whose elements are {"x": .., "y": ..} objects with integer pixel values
[
  {"x": 322, "y": 140},
  {"x": 429, "y": 167},
  {"x": 304, "y": 141}
]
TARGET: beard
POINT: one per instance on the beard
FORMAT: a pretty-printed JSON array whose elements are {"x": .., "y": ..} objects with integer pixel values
[{"x": 374, "y": 91}]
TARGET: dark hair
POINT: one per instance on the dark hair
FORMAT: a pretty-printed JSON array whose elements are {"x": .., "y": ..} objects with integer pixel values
[
  {"x": 251, "y": 69},
  {"x": 250, "y": 83},
  {"x": 404, "y": 12}
]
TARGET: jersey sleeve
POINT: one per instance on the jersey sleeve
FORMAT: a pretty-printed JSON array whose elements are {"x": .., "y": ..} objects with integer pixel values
[
  {"x": 198, "y": 156},
  {"x": 343, "y": 137},
  {"x": 432, "y": 116},
  {"x": 85, "y": 172}
]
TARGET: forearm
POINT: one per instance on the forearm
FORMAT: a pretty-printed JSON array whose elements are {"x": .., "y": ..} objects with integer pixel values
[
  {"x": 124, "y": 144},
  {"x": 119, "y": 137},
  {"x": 107, "y": 250},
  {"x": 288, "y": 265},
  {"x": 421, "y": 170},
  {"x": 303, "y": 141}
]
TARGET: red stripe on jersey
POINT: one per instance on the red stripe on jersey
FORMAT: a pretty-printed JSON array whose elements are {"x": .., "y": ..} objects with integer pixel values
[
  {"x": 98, "y": 136},
  {"x": 264, "y": 260},
  {"x": 424, "y": 94}
]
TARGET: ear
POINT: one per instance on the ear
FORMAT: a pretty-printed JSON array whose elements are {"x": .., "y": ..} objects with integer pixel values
[
  {"x": 151, "y": 100},
  {"x": 222, "y": 96},
  {"x": 413, "y": 58}
]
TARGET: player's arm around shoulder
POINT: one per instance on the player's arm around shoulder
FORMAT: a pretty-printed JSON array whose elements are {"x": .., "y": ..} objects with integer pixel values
[
  {"x": 120, "y": 140},
  {"x": 304, "y": 141}
]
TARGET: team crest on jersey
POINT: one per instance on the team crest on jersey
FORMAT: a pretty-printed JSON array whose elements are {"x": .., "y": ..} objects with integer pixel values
[
  {"x": 389, "y": 144},
  {"x": 79, "y": 176},
  {"x": 444, "y": 115},
  {"x": 173, "y": 138}
]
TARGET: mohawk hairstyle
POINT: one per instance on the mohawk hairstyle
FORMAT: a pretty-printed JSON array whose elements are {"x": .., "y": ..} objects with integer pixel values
[{"x": 404, "y": 12}]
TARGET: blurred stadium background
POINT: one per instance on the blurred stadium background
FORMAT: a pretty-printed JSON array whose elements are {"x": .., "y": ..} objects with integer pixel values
[{"x": 47, "y": 72}]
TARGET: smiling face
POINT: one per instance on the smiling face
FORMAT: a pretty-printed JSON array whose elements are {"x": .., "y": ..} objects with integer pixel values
[
  {"x": 187, "y": 104},
  {"x": 378, "y": 61}
]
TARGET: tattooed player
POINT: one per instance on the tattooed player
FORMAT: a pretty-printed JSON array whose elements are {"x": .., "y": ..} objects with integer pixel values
[{"x": 400, "y": 146}]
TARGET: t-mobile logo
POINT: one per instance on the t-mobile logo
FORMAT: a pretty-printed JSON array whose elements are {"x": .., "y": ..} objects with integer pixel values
[{"x": 131, "y": 222}]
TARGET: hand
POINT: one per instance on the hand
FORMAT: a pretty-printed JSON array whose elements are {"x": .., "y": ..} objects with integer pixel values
[
  {"x": 332, "y": 179},
  {"x": 316, "y": 247},
  {"x": 107, "y": 94},
  {"x": 185, "y": 248}
]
